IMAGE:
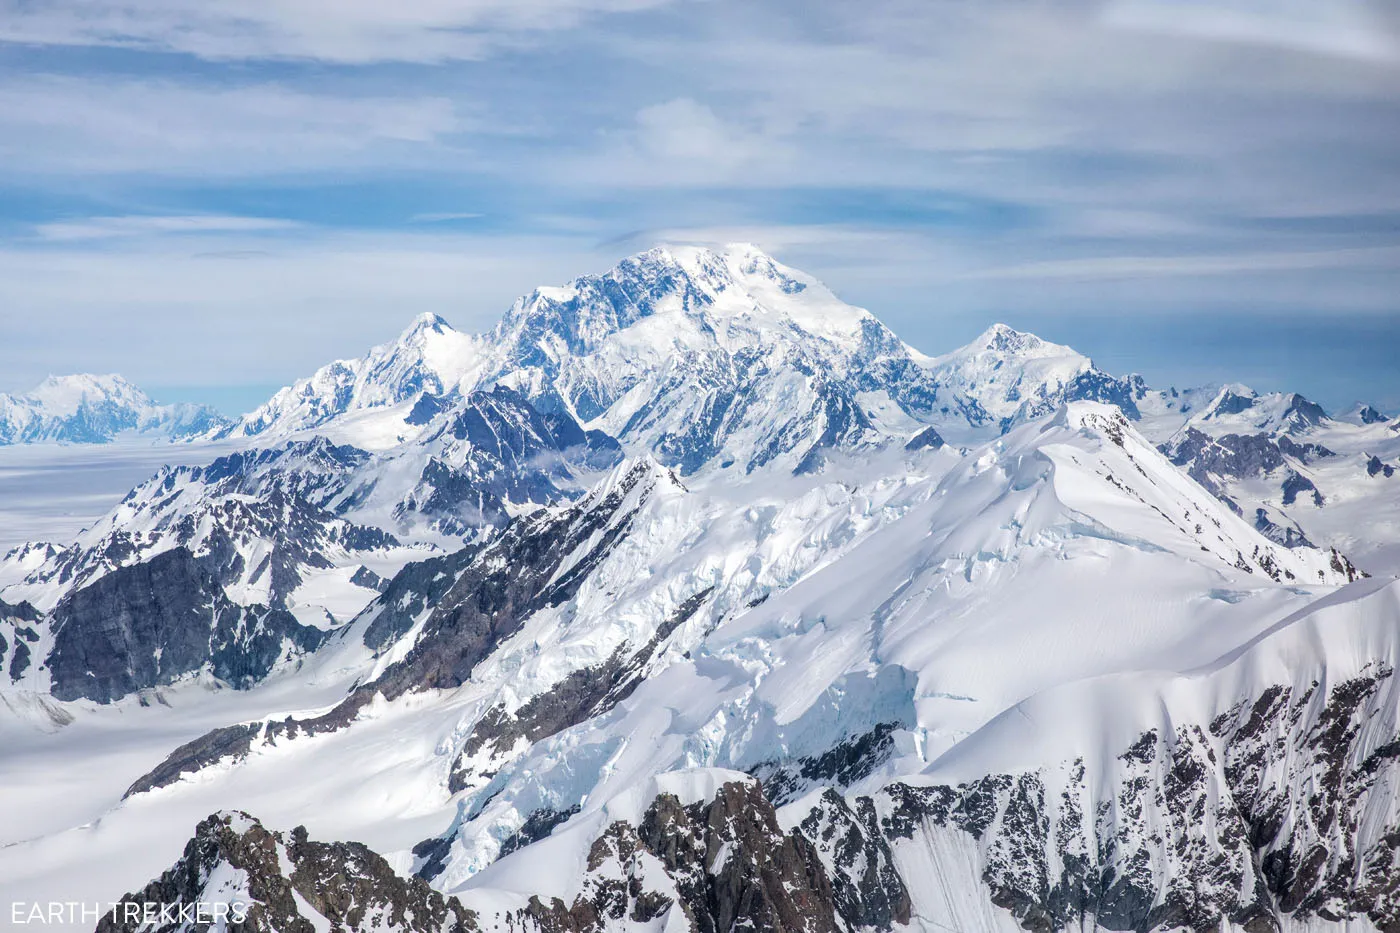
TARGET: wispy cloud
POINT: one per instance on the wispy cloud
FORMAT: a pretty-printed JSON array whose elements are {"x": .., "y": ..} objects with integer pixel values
[
  {"x": 88, "y": 124},
  {"x": 347, "y": 31},
  {"x": 935, "y": 160},
  {"x": 437, "y": 217},
  {"x": 1150, "y": 267},
  {"x": 1346, "y": 28},
  {"x": 102, "y": 228}
]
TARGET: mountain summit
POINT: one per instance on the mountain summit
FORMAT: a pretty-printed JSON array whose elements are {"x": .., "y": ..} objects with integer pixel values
[{"x": 430, "y": 357}]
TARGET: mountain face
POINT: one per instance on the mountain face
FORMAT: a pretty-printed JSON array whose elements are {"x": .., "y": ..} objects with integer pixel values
[
  {"x": 153, "y": 623},
  {"x": 690, "y": 598},
  {"x": 86, "y": 409},
  {"x": 267, "y": 882},
  {"x": 559, "y": 655},
  {"x": 703, "y": 358},
  {"x": 1014, "y": 377}
]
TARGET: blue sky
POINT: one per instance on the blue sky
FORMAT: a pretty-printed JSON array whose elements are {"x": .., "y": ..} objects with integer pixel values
[{"x": 216, "y": 198}]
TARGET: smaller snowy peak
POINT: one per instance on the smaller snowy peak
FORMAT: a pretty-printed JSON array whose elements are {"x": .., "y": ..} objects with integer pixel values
[
  {"x": 429, "y": 358},
  {"x": 637, "y": 478},
  {"x": 1181, "y": 512},
  {"x": 1238, "y": 409},
  {"x": 67, "y": 395},
  {"x": 1004, "y": 339},
  {"x": 1009, "y": 376},
  {"x": 428, "y": 321},
  {"x": 1364, "y": 415},
  {"x": 94, "y": 409}
]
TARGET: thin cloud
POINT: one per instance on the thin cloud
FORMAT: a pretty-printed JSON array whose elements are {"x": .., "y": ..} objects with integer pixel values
[
  {"x": 102, "y": 228},
  {"x": 445, "y": 217},
  {"x": 1344, "y": 28},
  {"x": 95, "y": 125},
  {"x": 342, "y": 31},
  {"x": 1143, "y": 267}
]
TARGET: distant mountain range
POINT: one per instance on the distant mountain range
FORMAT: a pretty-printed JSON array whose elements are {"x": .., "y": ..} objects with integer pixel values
[
  {"x": 87, "y": 409},
  {"x": 691, "y": 598}
]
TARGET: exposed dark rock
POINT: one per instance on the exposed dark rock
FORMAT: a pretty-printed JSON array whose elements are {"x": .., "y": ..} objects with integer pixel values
[
  {"x": 477, "y": 607},
  {"x": 1289, "y": 536},
  {"x": 409, "y": 593},
  {"x": 19, "y": 660},
  {"x": 154, "y": 623},
  {"x": 867, "y": 889},
  {"x": 428, "y": 407},
  {"x": 289, "y": 884},
  {"x": 1297, "y": 483},
  {"x": 511, "y": 578},
  {"x": 1262, "y": 816},
  {"x": 21, "y": 611},
  {"x": 1235, "y": 456},
  {"x": 841, "y": 765},
  {"x": 369, "y": 580},
  {"x": 230, "y": 741},
  {"x": 1303, "y": 413},
  {"x": 537, "y": 826},
  {"x": 1095, "y": 386},
  {"x": 768, "y": 880},
  {"x": 1305, "y": 452},
  {"x": 928, "y": 438}
]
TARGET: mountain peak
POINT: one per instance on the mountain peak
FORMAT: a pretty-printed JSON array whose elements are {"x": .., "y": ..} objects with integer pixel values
[
  {"x": 65, "y": 395},
  {"x": 426, "y": 323},
  {"x": 1006, "y": 339}
]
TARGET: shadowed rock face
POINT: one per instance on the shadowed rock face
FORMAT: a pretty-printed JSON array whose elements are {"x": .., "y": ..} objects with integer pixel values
[
  {"x": 154, "y": 623},
  {"x": 1215, "y": 462},
  {"x": 288, "y": 884},
  {"x": 714, "y": 866},
  {"x": 20, "y": 621},
  {"x": 722, "y": 865},
  {"x": 1278, "y": 809}
]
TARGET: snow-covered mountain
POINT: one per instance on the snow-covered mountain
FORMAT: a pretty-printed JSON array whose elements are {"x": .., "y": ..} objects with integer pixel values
[
  {"x": 1300, "y": 475},
  {"x": 312, "y": 526},
  {"x": 88, "y": 409},
  {"x": 704, "y": 358},
  {"x": 429, "y": 358},
  {"x": 690, "y": 598}
]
